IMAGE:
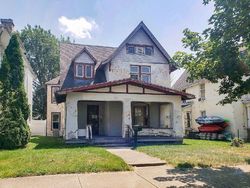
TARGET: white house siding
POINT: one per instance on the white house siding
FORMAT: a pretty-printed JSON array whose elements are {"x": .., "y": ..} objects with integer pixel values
[
  {"x": 233, "y": 112},
  {"x": 120, "y": 65},
  {"x": 126, "y": 99}
]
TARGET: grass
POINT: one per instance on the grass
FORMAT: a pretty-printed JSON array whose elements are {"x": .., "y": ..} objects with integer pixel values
[
  {"x": 200, "y": 153},
  {"x": 48, "y": 155}
]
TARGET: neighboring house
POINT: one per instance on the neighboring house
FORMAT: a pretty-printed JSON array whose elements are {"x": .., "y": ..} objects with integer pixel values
[
  {"x": 6, "y": 28},
  {"x": 206, "y": 104},
  {"x": 112, "y": 89},
  {"x": 55, "y": 112}
]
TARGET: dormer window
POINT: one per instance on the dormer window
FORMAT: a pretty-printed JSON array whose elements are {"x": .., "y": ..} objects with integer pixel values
[
  {"x": 88, "y": 71},
  {"x": 84, "y": 71},
  {"x": 79, "y": 68},
  {"x": 139, "y": 49}
]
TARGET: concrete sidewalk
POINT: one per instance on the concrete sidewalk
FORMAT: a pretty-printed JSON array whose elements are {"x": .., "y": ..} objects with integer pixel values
[
  {"x": 147, "y": 177},
  {"x": 136, "y": 158},
  {"x": 91, "y": 180}
]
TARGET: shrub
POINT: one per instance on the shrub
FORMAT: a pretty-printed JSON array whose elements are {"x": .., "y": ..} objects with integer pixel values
[{"x": 237, "y": 142}]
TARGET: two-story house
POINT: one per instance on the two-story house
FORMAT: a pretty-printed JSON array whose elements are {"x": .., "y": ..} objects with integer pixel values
[
  {"x": 206, "y": 104},
  {"x": 111, "y": 89},
  {"x": 6, "y": 28}
]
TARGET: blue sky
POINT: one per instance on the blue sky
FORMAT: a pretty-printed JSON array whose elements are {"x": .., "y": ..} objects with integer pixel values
[{"x": 109, "y": 22}]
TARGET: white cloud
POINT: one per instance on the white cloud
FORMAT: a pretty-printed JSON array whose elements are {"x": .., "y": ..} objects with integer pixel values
[{"x": 79, "y": 27}]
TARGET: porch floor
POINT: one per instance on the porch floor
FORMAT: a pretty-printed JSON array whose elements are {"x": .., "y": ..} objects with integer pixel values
[{"x": 119, "y": 141}]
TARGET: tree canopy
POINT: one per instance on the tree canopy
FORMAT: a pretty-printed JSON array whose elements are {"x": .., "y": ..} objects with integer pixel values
[
  {"x": 43, "y": 54},
  {"x": 221, "y": 53}
]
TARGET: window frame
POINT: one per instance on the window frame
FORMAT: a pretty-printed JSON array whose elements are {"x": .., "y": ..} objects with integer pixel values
[
  {"x": 203, "y": 113},
  {"x": 53, "y": 94},
  {"x": 140, "y": 49},
  {"x": 59, "y": 120},
  {"x": 202, "y": 91},
  {"x": 84, "y": 65},
  {"x": 140, "y": 74},
  {"x": 91, "y": 71}
]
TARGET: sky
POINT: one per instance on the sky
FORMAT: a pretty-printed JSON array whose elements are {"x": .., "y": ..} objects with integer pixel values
[{"x": 109, "y": 22}]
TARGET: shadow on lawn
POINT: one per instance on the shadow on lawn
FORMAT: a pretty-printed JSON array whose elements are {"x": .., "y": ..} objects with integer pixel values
[
  {"x": 223, "y": 177},
  {"x": 43, "y": 142}
]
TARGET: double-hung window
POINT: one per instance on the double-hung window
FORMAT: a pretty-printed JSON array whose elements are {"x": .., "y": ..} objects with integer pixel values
[
  {"x": 202, "y": 91},
  {"x": 55, "y": 120},
  {"x": 142, "y": 73},
  {"x": 84, "y": 70},
  {"x": 88, "y": 71},
  {"x": 79, "y": 70}
]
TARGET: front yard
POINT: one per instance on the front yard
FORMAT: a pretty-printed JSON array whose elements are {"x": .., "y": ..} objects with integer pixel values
[
  {"x": 200, "y": 153},
  {"x": 47, "y": 155}
]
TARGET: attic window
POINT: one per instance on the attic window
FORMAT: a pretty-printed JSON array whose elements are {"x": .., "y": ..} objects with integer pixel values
[
  {"x": 84, "y": 71},
  {"x": 140, "y": 49},
  {"x": 79, "y": 70},
  {"x": 130, "y": 49}
]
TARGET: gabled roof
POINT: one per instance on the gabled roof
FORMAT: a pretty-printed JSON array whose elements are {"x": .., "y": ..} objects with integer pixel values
[
  {"x": 150, "y": 35},
  {"x": 54, "y": 81},
  {"x": 183, "y": 83},
  {"x": 69, "y": 51},
  {"x": 150, "y": 86}
]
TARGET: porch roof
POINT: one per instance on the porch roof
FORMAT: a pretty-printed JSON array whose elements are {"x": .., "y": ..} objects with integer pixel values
[{"x": 165, "y": 90}]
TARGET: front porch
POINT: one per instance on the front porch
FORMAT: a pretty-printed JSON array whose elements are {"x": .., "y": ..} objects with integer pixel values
[{"x": 112, "y": 108}]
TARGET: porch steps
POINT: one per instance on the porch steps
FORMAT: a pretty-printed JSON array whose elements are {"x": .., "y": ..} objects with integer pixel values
[{"x": 159, "y": 140}]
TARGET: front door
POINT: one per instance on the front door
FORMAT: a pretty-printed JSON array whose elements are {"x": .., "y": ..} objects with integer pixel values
[
  {"x": 93, "y": 118},
  {"x": 140, "y": 115}
]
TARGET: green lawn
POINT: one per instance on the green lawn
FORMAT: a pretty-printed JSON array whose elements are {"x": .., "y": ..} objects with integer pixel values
[
  {"x": 47, "y": 155},
  {"x": 201, "y": 153}
]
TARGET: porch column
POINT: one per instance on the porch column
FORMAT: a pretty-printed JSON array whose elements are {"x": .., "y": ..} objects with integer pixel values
[
  {"x": 177, "y": 120},
  {"x": 71, "y": 120},
  {"x": 126, "y": 116}
]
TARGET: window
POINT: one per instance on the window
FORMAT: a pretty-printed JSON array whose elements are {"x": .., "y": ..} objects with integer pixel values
[
  {"x": 149, "y": 50},
  {"x": 84, "y": 70},
  {"x": 88, "y": 71},
  {"x": 55, "y": 120},
  {"x": 53, "y": 90},
  {"x": 79, "y": 70},
  {"x": 139, "y": 49},
  {"x": 130, "y": 49},
  {"x": 142, "y": 73},
  {"x": 203, "y": 113},
  {"x": 202, "y": 91},
  {"x": 188, "y": 121}
]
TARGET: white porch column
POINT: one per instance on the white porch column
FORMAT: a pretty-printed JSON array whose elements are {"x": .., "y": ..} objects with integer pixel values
[
  {"x": 177, "y": 120},
  {"x": 71, "y": 120},
  {"x": 126, "y": 116}
]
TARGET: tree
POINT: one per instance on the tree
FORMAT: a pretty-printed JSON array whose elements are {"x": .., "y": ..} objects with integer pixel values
[
  {"x": 43, "y": 54},
  {"x": 14, "y": 131},
  {"x": 221, "y": 53}
]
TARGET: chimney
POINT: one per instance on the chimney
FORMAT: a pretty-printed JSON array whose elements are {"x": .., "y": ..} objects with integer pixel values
[{"x": 8, "y": 24}]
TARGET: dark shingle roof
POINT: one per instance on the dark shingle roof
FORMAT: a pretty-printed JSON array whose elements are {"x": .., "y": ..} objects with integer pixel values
[{"x": 68, "y": 51}]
